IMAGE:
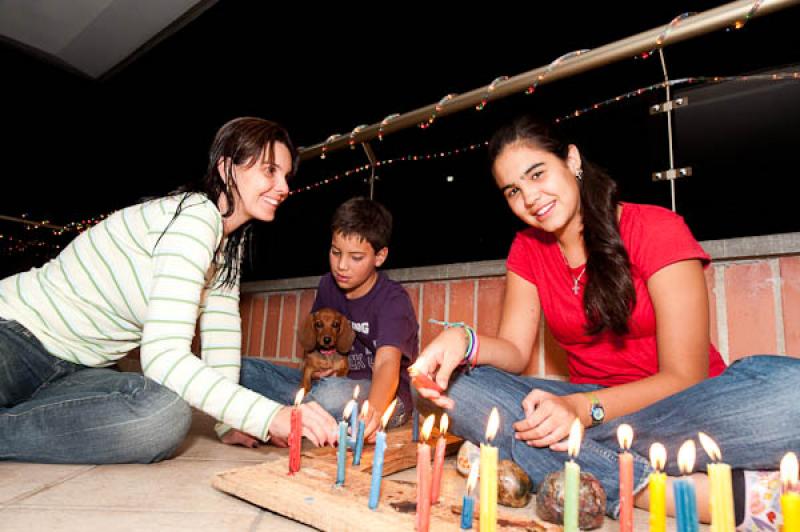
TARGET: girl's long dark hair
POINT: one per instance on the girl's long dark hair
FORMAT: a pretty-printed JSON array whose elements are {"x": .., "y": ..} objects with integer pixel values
[
  {"x": 609, "y": 296},
  {"x": 242, "y": 141}
]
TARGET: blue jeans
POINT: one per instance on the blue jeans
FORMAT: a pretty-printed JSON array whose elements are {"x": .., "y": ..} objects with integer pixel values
[
  {"x": 54, "y": 411},
  {"x": 280, "y": 383},
  {"x": 751, "y": 411}
]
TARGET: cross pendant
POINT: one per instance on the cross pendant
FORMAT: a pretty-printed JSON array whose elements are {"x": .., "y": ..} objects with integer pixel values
[{"x": 575, "y": 287}]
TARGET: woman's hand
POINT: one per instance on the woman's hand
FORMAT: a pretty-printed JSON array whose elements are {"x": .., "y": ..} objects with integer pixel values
[
  {"x": 237, "y": 437},
  {"x": 318, "y": 425},
  {"x": 547, "y": 420},
  {"x": 438, "y": 360}
]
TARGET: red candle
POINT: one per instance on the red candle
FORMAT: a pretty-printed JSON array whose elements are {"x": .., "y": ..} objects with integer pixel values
[
  {"x": 296, "y": 434},
  {"x": 424, "y": 477},
  {"x": 438, "y": 460},
  {"x": 625, "y": 438}
]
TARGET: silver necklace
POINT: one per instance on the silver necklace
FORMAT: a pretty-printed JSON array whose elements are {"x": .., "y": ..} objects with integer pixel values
[{"x": 575, "y": 280}]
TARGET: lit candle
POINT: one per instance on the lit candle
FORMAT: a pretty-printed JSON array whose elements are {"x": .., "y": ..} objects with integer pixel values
[
  {"x": 488, "y": 474},
  {"x": 572, "y": 478},
  {"x": 625, "y": 438},
  {"x": 354, "y": 416},
  {"x": 296, "y": 433},
  {"x": 683, "y": 490},
  {"x": 342, "y": 451},
  {"x": 377, "y": 459},
  {"x": 468, "y": 504},
  {"x": 658, "y": 489},
  {"x": 360, "y": 436},
  {"x": 438, "y": 459},
  {"x": 415, "y": 426},
  {"x": 719, "y": 475},
  {"x": 423, "y": 516},
  {"x": 790, "y": 500}
]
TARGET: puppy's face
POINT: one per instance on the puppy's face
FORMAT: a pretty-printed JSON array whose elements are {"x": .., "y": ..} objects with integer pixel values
[{"x": 328, "y": 326}]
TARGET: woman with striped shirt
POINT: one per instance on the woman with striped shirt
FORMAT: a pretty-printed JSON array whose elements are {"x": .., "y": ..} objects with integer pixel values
[{"x": 147, "y": 277}]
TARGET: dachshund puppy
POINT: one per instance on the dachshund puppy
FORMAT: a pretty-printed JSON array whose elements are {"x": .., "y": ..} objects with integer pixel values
[{"x": 326, "y": 337}]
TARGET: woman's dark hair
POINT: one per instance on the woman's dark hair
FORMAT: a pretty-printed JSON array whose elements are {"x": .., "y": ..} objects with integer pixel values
[
  {"x": 242, "y": 141},
  {"x": 609, "y": 296}
]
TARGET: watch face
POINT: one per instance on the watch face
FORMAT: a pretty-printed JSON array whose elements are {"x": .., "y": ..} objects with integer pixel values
[{"x": 597, "y": 413}]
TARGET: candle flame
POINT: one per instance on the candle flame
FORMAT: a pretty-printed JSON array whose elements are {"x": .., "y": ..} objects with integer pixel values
[
  {"x": 686, "y": 456},
  {"x": 789, "y": 471},
  {"x": 412, "y": 370},
  {"x": 658, "y": 456},
  {"x": 473, "y": 477},
  {"x": 388, "y": 414},
  {"x": 492, "y": 425},
  {"x": 427, "y": 427},
  {"x": 365, "y": 409},
  {"x": 625, "y": 436},
  {"x": 444, "y": 423},
  {"x": 711, "y": 448},
  {"x": 348, "y": 409},
  {"x": 299, "y": 397},
  {"x": 356, "y": 391},
  {"x": 575, "y": 435}
]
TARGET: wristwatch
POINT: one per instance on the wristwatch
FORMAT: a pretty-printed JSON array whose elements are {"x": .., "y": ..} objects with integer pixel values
[{"x": 596, "y": 411}]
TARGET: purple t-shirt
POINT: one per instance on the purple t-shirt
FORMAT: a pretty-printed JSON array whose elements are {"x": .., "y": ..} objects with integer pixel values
[{"x": 382, "y": 317}]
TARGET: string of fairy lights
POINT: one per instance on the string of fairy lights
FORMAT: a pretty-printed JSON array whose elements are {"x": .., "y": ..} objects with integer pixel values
[{"x": 15, "y": 244}]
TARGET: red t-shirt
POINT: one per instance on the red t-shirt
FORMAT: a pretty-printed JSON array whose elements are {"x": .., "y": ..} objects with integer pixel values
[{"x": 654, "y": 237}]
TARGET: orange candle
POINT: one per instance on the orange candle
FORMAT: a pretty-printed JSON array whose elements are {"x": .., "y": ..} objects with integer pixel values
[
  {"x": 296, "y": 433},
  {"x": 424, "y": 477},
  {"x": 625, "y": 438},
  {"x": 790, "y": 500},
  {"x": 438, "y": 459}
]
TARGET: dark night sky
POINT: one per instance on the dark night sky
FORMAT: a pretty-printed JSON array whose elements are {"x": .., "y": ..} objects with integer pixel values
[{"x": 74, "y": 147}]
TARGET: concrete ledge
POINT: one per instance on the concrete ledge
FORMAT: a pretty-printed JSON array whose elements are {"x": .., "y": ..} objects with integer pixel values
[{"x": 732, "y": 249}]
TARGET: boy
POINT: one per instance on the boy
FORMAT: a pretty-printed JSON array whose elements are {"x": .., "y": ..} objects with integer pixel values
[{"x": 381, "y": 315}]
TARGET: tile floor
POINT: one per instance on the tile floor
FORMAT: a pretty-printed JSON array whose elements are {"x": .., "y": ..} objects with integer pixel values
[{"x": 172, "y": 495}]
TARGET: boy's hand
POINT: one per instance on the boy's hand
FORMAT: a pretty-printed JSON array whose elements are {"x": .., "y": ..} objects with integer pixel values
[
  {"x": 439, "y": 359},
  {"x": 372, "y": 423}
]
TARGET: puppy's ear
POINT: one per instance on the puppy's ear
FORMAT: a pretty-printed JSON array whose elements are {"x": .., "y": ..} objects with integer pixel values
[
  {"x": 306, "y": 335},
  {"x": 346, "y": 336}
]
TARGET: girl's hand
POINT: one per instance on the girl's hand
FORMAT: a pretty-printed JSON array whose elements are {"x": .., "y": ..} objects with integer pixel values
[
  {"x": 438, "y": 360},
  {"x": 547, "y": 420}
]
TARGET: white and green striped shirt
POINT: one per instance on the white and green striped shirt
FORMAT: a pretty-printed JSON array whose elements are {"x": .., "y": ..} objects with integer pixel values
[{"x": 117, "y": 287}]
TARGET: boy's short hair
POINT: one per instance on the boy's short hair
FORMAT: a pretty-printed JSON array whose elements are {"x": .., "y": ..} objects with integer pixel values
[{"x": 366, "y": 218}]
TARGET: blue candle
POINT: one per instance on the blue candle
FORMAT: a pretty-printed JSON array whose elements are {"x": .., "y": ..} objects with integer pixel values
[
  {"x": 359, "y": 447},
  {"x": 354, "y": 416},
  {"x": 377, "y": 460},
  {"x": 683, "y": 491},
  {"x": 342, "y": 450},
  {"x": 415, "y": 426},
  {"x": 466, "y": 512}
]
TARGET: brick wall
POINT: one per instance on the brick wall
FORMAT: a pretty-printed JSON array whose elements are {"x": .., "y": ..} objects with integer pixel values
[{"x": 753, "y": 284}]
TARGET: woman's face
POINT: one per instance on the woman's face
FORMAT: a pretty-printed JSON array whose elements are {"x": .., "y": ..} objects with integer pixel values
[
  {"x": 540, "y": 187},
  {"x": 262, "y": 186}
]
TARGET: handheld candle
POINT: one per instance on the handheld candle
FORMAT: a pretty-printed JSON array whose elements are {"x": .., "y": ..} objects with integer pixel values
[
  {"x": 296, "y": 433},
  {"x": 625, "y": 438},
  {"x": 377, "y": 459},
  {"x": 658, "y": 489}
]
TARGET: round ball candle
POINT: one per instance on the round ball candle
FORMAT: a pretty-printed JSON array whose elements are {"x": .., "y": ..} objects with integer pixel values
[
  {"x": 719, "y": 477},
  {"x": 468, "y": 503},
  {"x": 625, "y": 438},
  {"x": 438, "y": 459},
  {"x": 572, "y": 478},
  {"x": 683, "y": 490},
  {"x": 658, "y": 489},
  {"x": 296, "y": 433},
  {"x": 790, "y": 500},
  {"x": 341, "y": 453},
  {"x": 360, "y": 435},
  {"x": 423, "y": 517},
  {"x": 488, "y": 475},
  {"x": 377, "y": 459}
]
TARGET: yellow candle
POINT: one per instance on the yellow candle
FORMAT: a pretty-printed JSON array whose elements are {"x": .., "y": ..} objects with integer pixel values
[
  {"x": 790, "y": 500},
  {"x": 719, "y": 476},
  {"x": 488, "y": 473},
  {"x": 658, "y": 489}
]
